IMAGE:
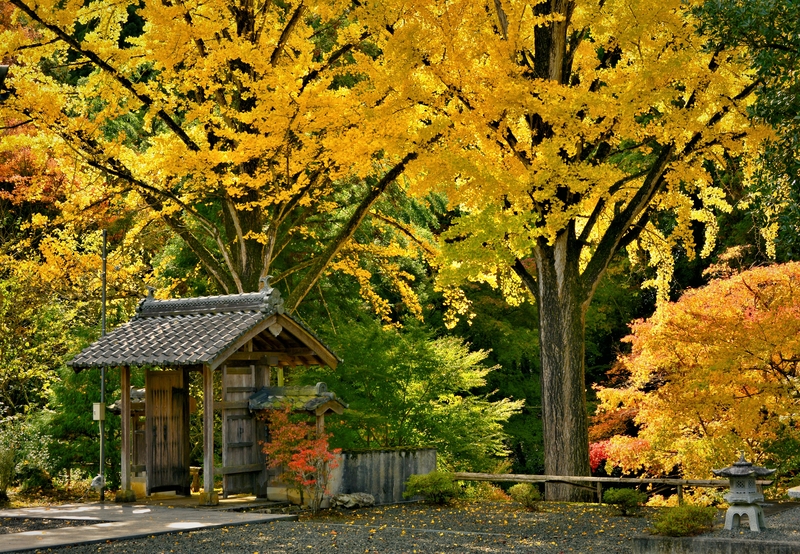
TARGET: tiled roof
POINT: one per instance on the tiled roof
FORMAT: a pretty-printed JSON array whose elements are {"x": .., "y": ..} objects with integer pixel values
[
  {"x": 185, "y": 331},
  {"x": 743, "y": 468},
  {"x": 299, "y": 398}
]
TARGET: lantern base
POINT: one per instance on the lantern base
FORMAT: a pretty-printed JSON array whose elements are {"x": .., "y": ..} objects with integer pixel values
[{"x": 754, "y": 513}]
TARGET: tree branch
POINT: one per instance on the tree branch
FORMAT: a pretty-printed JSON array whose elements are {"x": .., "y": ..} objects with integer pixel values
[
  {"x": 214, "y": 268},
  {"x": 601, "y": 205},
  {"x": 527, "y": 279},
  {"x": 407, "y": 231},
  {"x": 287, "y": 31},
  {"x": 322, "y": 261},
  {"x": 237, "y": 225},
  {"x": 622, "y": 221},
  {"x": 119, "y": 170}
]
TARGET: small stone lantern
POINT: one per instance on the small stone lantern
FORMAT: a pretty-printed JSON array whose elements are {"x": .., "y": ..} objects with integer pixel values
[{"x": 744, "y": 494}]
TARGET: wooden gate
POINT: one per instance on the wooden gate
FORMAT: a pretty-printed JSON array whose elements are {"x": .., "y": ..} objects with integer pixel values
[
  {"x": 243, "y": 464},
  {"x": 167, "y": 431}
]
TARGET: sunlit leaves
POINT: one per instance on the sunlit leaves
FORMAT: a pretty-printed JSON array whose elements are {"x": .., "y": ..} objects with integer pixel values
[
  {"x": 212, "y": 104},
  {"x": 714, "y": 372},
  {"x": 550, "y": 151}
]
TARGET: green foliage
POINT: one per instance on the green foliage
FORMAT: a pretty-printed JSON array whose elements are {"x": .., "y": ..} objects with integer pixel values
[
  {"x": 512, "y": 342},
  {"x": 405, "y": 388},
  {"x": 23, "y": 461},
  {"x": 6, "y": 472},
  {"x": 8, "y": 458},
  {"x": 526, "y": 494},
  {"x": 683, "y": 521},
  {"x": 37, "y": 329},
  {"x": 768, "y": 31},
  {"x": 74, "y": 444},
  {"x": 617, "y": 300},
  {"x": 626, "y": 500},
  {"x": 33, "y": 478},
  {"x": 438, "y": 487},
  {"x": 783, "y": 452}
]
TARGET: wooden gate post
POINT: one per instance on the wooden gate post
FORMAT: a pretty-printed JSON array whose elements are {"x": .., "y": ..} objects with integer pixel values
[
  {"x": 208, "y": 497},
  {"x": 125, "y": 494}
]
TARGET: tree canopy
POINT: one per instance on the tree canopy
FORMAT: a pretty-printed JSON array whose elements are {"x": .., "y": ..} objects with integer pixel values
[
  {"x": 568, "y": 132},
  {"x": 240, "y": 125},
  {"x": 407, "y": 389},
  {"x": 767, "y": 29}
]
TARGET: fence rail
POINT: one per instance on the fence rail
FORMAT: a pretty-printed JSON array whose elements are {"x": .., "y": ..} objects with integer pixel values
[{"x": 599, "y": 482}]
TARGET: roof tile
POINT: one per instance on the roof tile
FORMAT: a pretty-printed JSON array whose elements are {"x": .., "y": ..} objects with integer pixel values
[{"x": 181, "y": 332}]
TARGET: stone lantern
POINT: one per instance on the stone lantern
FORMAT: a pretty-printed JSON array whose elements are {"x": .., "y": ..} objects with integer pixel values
[{"x": 744, "y": 494}]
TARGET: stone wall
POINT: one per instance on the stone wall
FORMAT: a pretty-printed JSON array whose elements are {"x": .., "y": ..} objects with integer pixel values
[{"x": 381, "y": 473}]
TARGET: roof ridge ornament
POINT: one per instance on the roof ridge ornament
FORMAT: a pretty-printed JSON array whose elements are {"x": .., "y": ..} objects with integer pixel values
[
  {"x": 273, "y": 302},
  {"x": 265, "y": 286}
]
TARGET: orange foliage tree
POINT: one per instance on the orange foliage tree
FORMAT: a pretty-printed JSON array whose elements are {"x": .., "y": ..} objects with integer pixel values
[{"x": 711, "y": 374}]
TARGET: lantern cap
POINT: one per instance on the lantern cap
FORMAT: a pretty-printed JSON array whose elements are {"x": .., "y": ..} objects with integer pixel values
[{"x": 743, "y": 468}]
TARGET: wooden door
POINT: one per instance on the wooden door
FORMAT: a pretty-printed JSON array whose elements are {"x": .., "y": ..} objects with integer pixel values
[
  {"x": 167, "y": 431},
  {"x": 243, "y": 463}
]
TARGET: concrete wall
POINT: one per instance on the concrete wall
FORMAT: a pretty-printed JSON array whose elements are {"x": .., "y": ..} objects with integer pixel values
[
  {"x": 711, "y": 545},
  {"x": 381, "y": 473}
]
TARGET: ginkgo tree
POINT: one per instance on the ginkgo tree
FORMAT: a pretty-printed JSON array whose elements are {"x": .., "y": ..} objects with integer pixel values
[
  {"x": 565, "y": 132},
  {"x": 714, "y": 373},
  {"x": 236, "y": 123}
]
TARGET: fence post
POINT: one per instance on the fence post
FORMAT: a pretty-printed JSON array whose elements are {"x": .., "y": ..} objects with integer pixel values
[
  {"x": 680, "y": 495},
  {"x": 599, "y": 492}
]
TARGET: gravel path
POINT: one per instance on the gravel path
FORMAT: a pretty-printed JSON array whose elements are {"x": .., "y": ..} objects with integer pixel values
[
  {"x": 418, "y": 528},
  {"x": 782, "y": 526}
]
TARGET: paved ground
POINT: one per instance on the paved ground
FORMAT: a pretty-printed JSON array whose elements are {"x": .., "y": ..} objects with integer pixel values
[{"x": 120, "y": 521}]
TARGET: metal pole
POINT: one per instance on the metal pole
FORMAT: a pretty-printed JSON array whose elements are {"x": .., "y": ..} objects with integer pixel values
[{"x": 103, "y": 376}]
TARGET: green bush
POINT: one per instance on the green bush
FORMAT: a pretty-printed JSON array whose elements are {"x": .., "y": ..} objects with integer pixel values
[
  {"x": 7, "y": 464},
  {"x": 526, "y": 494},
  {"x": 683, "y": 521},
  {"x": 626, "y": 500},
  {"x": 9, "y": 454},
  {"x": 33, "y": 478},
  {"x": 438, "y": 487},
  {"x": 483, "y": 491}
]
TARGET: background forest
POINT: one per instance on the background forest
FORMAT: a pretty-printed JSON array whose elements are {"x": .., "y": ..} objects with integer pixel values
[{"x": 404, "y": 207}]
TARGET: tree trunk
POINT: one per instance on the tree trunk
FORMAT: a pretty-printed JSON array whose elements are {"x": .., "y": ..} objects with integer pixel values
[{"x": 562, "y": 309}]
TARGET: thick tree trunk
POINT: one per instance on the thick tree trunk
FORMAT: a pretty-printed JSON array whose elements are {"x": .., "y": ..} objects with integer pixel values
[{"x": 561, "y": 333}]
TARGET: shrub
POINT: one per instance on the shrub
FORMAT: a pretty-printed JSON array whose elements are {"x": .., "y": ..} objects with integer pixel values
[
  {"x": 483, "y": 491},
  {"x": 683, "y": 521},
  {"x": 7, "y": 464},
  {"x": 9, "y": 453},
  {"x": 32, "y": 478},
  {"x": 626, "y": 500},
  {"x": 438, "y": 487},
  {"x": 526, "y": 494}
]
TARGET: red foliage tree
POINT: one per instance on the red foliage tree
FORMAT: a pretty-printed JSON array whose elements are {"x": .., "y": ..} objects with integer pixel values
[{"x": 302, "y": 452}]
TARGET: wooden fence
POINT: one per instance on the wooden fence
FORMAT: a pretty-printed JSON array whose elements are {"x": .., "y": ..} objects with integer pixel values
[{"x": 599, "y": 482}]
